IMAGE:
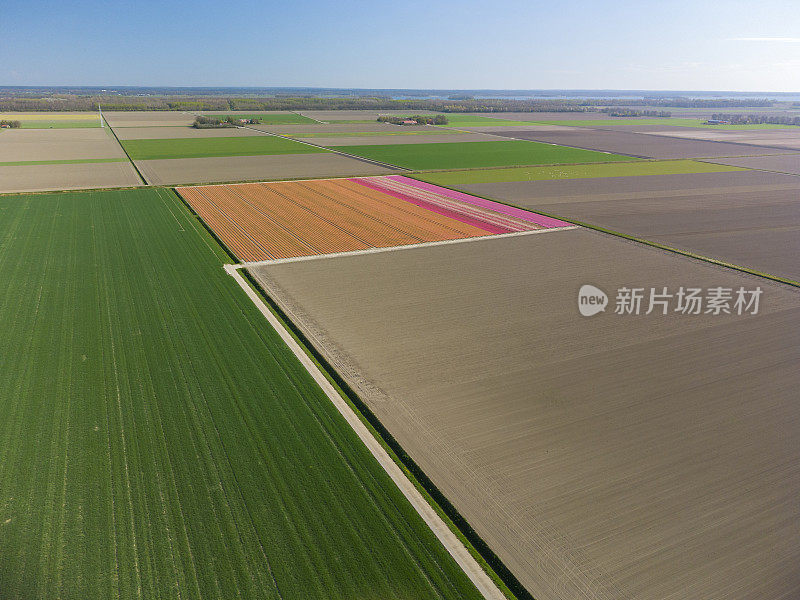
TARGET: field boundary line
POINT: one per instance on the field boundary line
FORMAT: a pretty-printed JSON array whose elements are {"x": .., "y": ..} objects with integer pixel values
[
  {"x": 454, "y": 546},
  {"x": 297, "y": 112},
  {"x": 710, "y": 161},
  {"x": 476, "y": 238},
  {"x": 133, "y": 164}
]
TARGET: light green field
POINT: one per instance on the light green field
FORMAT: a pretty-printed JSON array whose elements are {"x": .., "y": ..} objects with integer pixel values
[
  {"x": 667, "y": 167},
  {"x": 659, "y": 121},
  {"x": 78, "y": 161},
  {"x": 464, "y": 155},
  {"x": 47, "y": 120},
  {"x": 159, "y": 440},
  {"x": 472, "y": 120},
  {"x": 59, "y": 124},
  {"x": 221, "y": 146},
  {"x": 268, "y": 119}
]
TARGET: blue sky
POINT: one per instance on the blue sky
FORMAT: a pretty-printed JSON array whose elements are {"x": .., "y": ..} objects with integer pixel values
[{"x": 502, "y": 44}]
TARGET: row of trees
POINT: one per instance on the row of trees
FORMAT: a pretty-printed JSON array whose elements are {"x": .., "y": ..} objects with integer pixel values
[
  {"x": 212, "y": 122},
  {"x": 631, "y": 112},
  {"x": 420, "y": 119},
  {"x": 756, "y": 119},
  {"x": 204, "y": 122}
]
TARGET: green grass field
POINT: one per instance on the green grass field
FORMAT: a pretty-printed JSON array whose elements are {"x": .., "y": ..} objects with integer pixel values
[
  {"x": 628, "y": 169},
  {"x": 472, "y": 120},
  {"x": 221, "y": 146},
  {"x": 466, "y": 155},
  {"x": 425, "y": 131},
  {"x": 158, "y": 440},
  {"x": 658, "y": 121},
  {"x": 270, "y": 119}
]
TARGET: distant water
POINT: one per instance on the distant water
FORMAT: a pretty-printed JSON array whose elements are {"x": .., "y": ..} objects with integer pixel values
[
  {"x": 401, "y": 94},
  {"x": 592, "y": 94}
]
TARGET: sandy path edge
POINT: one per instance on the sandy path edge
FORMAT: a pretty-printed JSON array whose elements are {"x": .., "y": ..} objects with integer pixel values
[{"x": 457, "y": 550}]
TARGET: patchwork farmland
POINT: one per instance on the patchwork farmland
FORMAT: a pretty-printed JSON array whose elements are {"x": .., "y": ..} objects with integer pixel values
[
  {"x": 66, "y": 158},
  {"x": 174, "y": 424}
]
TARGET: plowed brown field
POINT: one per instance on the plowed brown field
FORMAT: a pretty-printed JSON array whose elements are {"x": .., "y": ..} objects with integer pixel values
[{"x": 267, "y": 221}]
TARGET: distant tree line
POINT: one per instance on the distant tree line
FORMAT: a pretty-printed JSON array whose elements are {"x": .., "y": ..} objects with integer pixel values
[
  {"x": 756, "y": 119},
  {"x": 66, "y": 102},
  {"x": 120, "y": 102},
  {"x": 420, "y": 119},
  {"x": 631, "y": 112},
  {"x": 690, "y": 102},
  {"x": 11, "y": 124}
]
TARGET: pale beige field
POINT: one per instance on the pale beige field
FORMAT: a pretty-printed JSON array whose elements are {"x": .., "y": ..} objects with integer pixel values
[
  {"x": 34, "y": 178},
  {"x": 783, "y": 163},
  {"x": 254, "y": 168},
  {"x": 158, "y": 133},
  {"x": 609, "y": 457},
  {"x": 153, "y": 118},
  {"x": 788, "y": 139},
  {"x": 50, "y": 116},
  {"x": 18, "y": 145}
]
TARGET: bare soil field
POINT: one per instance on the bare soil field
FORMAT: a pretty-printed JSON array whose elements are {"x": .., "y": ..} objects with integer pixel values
[
  {"x": 398, "y": 138},
  {"x": 19, "y": 145},
  {"x": 637, "y": 144},
  {"x": 607, "y": 457},
  {"x": 747, "y": 218},
  {"x": 532, "y": 127},
  {"x": 152, "y": 118},
  {"x": 638, "y": 127},
  {"x": 244, "y": 112},
  {"x": 785, "y": 163},
  {"x": 33, "y": 178},
  {"x": 160, "y": 133},
  {"x": 247, "y": 168}
]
